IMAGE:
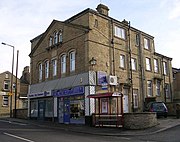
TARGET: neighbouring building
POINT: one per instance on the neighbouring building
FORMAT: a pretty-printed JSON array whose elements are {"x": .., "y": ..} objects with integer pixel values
[
  {"x": 5, "y": 95},
  {"x": 24, "y": 86},
  {"x": 91, "y": 64},
  {"x": 5, "y": 89},
  {"x": 176, "y": 82}
]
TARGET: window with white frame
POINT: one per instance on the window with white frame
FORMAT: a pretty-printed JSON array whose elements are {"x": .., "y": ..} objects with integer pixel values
[
  {"x": 46, "y": 69},
  {"x": 5, "y": 101},
  {"x": 50, "y": 41},
  {"x": 6, "y": 85},
  {"x": 165, "y": 68},
  {"x": 158, "y": 85},
  {"x": 133, "y": 64},
  {"x": 72, "y": 61},
  {"x": 54, "y": 69},
  {"x": 40, "y": 71},
  {"x": 63, "y": 64},
  {"x": 156, "y": 66},
  {"x": 119, "y": 32},
  {"x": 167, "y": 90},
  {"x": 6, "y": 75},
  {"x": 148, "y": 64},
  {"x": 60, "y": 36},
  {"x": 135, "y": 95},
  {"x": 122, "y": 61},
  {"x": 149, "y": 88},
  {"x": 146, "y": 43},
  {"x": 55, "y": 37}
]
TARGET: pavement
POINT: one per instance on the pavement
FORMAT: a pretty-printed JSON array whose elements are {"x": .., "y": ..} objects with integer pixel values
[{"x": 163, "y": 125}]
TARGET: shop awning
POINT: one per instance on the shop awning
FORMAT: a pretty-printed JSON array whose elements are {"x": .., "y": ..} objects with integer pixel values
[{"x": 105, "y": 95}]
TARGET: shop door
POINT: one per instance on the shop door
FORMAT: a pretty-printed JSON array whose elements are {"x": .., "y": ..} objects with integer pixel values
[
  {"x": 66, "y": 111},
  {"x": 60, "y": 110},
  {"x": 41, "y": 110},
  {"x": 125, "y": 104}
]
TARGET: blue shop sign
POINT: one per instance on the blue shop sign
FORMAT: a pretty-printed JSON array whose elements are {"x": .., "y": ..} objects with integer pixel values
[{"x": 68, "y": 92}]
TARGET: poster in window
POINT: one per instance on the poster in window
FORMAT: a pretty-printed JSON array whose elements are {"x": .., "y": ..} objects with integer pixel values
[{"x": 104, "y": 105}]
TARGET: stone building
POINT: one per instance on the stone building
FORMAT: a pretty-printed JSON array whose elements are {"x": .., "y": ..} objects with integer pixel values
[
  {"x": 93, "y": 63},
  {"x": 5, "y": 89},
  {"x": 5, "y": 98},
  {"x": 176, "y": 82}
]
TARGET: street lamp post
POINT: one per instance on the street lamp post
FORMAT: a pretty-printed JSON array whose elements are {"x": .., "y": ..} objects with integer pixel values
[{"x": 11, "y": 77}]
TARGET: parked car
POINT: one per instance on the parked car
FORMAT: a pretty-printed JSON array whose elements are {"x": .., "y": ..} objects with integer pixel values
[{"x": 158, "y": 107}]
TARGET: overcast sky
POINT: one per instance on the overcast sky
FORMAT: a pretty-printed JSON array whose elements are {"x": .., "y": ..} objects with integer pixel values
[{"x": 22, "y": 20}]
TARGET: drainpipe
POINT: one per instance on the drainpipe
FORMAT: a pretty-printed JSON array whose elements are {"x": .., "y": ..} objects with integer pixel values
[{"x": 131, "y": 78}]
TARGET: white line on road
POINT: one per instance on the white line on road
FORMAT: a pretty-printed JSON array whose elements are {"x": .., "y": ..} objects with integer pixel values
[
  {"x": 7, "y": 121},
  {"x": 17, "y": 137}
]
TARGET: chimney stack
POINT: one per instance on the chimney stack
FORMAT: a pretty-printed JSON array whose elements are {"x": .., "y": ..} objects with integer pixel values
[{"x": 102, "y": 9}]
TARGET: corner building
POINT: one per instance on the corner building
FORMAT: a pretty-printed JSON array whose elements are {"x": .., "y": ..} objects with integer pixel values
[{"x": 92, "y": 63}]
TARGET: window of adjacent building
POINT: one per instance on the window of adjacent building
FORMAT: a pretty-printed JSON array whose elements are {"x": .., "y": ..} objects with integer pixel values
[
  {"x": 96, "y": 23},
  {"x": 137, "y": 39},
  {"x": 6, "y": 75},
  {"x": 149, "y": 88},
  {"x": 6, "y": 85},
  {"x": 158, "y": 85},
  {"x": 119, "y": 32},
  {"x": 5, "y": 101},
  {"x": 167, "y": 90},
  {"x": 55, "y": 37},
  {"x": 146, "y": 43},
  {"x": 122, "y": 61},
  {"x": 135, "y": 95},
  {"x": 54, "y": 69},
  {"x": 50, "y": 41},
  {"x": 14, "y": 85},
  {"x": 156, "y": 66},
  {"x": 60, "y": 36},
  {"x": 63, "y": 64},
  {"x": 46, "y": 69},
  {"x": 148, "y": 64},
  {"x": 133, "y": 64},
  {"x": 72, "y": 61},
  {"x": 165, "y": 68},
  {"x": 40, "y": 71}
]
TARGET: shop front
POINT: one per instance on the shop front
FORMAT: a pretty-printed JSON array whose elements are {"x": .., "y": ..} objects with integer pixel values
[{"x": 71, "y": 105}]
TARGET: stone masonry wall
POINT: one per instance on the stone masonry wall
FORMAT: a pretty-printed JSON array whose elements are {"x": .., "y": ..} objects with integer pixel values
[{"x": 139, "y": 120}]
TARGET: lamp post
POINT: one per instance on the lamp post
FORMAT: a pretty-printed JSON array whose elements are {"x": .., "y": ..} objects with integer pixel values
[{"x": 11, "y": 92}]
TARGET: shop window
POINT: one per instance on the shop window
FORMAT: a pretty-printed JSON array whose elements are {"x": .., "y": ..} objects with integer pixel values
[
  {"x": 77, "y": 110},
  {"x": 104, "y": 105},
  {"x": 49, "y": 108},
  {"x": 34, "y": 108}
]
